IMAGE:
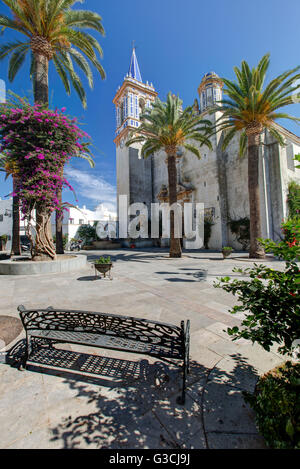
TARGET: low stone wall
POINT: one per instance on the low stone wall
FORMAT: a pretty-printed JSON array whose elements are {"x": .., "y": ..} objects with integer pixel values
[
  {"x": 67, "y": 264},
  {"x": 101, "y": 245}
]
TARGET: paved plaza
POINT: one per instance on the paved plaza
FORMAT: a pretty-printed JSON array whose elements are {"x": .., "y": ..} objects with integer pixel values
[{"x": 129, "y": 401}]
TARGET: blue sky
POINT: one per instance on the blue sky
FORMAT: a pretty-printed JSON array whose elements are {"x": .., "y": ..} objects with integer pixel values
[{"x": 177, "y": 43}]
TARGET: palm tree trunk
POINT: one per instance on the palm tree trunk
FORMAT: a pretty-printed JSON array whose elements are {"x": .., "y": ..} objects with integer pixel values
[
  {"x": 40, "y": 79},
  {"x": 44, "y": 247},
  {"x": 256, "y": 250},
  {"x": 16, "y": 246},
  {"x": 175, "y": 245}
]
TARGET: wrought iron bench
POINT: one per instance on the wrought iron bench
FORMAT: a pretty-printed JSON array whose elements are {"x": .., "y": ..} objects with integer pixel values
[{"x": 110, "y": 331}]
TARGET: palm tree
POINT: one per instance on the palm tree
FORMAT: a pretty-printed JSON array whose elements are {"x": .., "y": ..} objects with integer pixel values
[
  {"x": 250, "y": 108},
  {"x": 9, "y": 170},
  {"x": 167, "y": 127},
  {"x": 55, "y": 32}
]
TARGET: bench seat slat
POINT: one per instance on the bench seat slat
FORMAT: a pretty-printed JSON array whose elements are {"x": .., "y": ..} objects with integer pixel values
[{"x": 109, "y": 341}]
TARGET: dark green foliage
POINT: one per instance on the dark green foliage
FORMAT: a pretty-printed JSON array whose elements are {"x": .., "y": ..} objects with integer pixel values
[
  {"x": 276, "y": 402},
  {"x": 103, "y": 260},
  {"x": 87, "y": 232},
  {"x": 241, "y": 229},
  {"x": 208, "y": 224},
  {"x": 293, "y": 199}
]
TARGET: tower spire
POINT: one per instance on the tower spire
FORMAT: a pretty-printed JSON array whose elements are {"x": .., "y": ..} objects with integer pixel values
[{"x": 134, "y": 69}]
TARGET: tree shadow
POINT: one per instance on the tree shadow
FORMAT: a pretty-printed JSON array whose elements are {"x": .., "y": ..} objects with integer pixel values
[
  {"x": 200, "y": 275},
  {"x": 132, "y": 404},
  {"x": 89, "y": 278}
]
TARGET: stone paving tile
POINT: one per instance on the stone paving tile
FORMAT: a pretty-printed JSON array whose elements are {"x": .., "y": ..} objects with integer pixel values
[
  {"x": 204, "y": 337},
  {"x": 235, "y": 441},
  {"x": 203, "y": 355},
  {"x": 225, "y": 410},
  {"x": 25, "y": 414},
  {"x": 197, "y": 441},
  {"x": 235, "y": 372},
  {"x": 255, "y": 355},
  {"x": 38, "y": 438},
  {"x": 180, "y": 421}
]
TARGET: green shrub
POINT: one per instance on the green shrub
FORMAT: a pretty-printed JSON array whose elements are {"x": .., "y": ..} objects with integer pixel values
[
  {"x": 241, "y": 229},
  {"x": 276, "y": 402},
  {"x": 269, "y": 300},
  {"x": 87, "y": 232},
  {"x": 208, "y": 224},
  {"x": 103, "y": 260},
  {"x": 293, "y": 199}
]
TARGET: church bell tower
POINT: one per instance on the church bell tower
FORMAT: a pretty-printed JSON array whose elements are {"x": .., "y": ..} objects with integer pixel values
[{"x": 134, "y": 174}]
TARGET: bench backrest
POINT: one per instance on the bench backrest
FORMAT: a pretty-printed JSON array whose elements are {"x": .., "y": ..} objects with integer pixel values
[{"x": 142, "y": 330}]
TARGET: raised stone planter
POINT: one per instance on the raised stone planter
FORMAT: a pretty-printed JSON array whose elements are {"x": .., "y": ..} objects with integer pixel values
[
  {"x": 67, "y": 263},
  {"x": 102, "y": 246}
]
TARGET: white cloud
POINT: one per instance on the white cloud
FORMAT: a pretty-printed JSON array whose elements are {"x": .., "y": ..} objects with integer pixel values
[{"x": 94, "y": 188}]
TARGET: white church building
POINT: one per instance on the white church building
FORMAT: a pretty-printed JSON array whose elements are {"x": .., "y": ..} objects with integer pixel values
[{"x": 219, "y": 179}]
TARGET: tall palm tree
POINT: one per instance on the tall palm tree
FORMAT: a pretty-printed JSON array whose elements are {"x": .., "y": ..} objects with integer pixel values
[
  {"x": 12, "y": 171},
  {"x": 167, "y": 127},
  {"x": 53, "y": 31},
  {"x": 249, "y": 109}
]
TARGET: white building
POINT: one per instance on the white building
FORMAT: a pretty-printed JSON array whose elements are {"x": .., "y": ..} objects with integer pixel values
[
  {"x": 219, "y": 179},
  {"x": 6, "y": 210},
  {"x": 72, "y": 220},
  {"x": 77, "y": 217}
]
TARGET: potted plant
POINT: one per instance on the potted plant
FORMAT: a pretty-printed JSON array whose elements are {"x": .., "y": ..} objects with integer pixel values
[
  {"x": 226, "y": 251},
  {"x": 103, "y": 265},
  {"x": 3, "y": 241}
]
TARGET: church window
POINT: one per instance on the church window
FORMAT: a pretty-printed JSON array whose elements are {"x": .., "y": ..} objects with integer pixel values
[
  {"x": 136, "y": 102},
  {"x": 290, "y": 157},
  {"x": 131, "y": 104},
  {"x": 125, "y": 108},
  {"x": 118, "y": 117}
]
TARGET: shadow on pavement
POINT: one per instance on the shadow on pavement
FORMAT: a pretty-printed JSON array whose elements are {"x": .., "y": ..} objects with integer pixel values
[{"x": 135, "y": 403}]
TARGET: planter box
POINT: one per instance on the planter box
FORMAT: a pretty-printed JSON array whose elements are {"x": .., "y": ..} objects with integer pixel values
[{"x": 103, "y": 268}]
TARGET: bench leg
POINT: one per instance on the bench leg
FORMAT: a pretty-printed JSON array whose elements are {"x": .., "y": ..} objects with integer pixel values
[
  {"x": 181, "y": 399},
  {"x": 23, "y": 363}
]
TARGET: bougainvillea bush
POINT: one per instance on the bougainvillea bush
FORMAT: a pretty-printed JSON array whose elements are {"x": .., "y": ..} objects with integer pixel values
[{"x": 37, "y": 143}]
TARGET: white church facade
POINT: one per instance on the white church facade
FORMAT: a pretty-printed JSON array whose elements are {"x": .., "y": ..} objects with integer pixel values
[{"x": 219, "y": 179}]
